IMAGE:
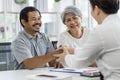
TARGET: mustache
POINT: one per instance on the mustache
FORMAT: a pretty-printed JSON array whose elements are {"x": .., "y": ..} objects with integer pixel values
[{"x": 36, "y": 24}]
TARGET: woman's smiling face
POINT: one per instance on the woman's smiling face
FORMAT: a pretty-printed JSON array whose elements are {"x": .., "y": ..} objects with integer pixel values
[{"x": 72, "y": 21}]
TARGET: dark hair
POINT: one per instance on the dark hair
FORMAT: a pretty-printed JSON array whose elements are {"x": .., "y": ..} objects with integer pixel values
[
  {"x": 107, "y": 6},
  {"x": 24, "y": 13}
]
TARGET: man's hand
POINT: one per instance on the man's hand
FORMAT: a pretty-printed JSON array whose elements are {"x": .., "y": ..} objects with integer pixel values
[
  {"x": 58, "y": 51},
  {"x": 61, "y": 57},
  {"x": 70, "y": 49},
  {"x": 53, "y": 63},
  {"x": 58, "y": 65}
]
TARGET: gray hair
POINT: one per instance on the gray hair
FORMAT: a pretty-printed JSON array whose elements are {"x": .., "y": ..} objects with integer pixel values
[{"x": 70, "y": 9}]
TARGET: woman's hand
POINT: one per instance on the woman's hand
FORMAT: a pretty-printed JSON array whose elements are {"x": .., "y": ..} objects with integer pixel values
[{"x": 61, "y": 57}]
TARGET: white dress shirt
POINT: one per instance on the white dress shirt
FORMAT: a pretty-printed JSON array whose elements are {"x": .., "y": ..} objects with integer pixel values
[{"x": 103, "y": 45}]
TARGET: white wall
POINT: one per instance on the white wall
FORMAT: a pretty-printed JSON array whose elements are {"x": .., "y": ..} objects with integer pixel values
[{"x": 1, "y": 5}]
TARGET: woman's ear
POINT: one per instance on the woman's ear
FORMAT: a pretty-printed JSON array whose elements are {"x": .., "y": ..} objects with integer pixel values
[
  {"x": 81, "y": 19},
  {"x": 97, "y": 10}
]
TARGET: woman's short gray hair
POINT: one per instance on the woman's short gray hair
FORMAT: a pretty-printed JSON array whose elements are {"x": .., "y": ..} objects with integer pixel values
[{"x": 70, "y": 9}]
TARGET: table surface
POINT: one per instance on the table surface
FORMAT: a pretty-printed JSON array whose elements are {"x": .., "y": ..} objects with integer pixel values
[{"x": 32, "y": 75}]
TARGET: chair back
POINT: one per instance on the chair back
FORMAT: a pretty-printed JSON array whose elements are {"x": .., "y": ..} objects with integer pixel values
[
  {"x": 5, "y": 56},
  {"x": 54, "y": 44}
]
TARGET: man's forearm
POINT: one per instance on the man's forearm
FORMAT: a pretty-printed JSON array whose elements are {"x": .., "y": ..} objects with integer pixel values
[{"x": 40, "y": 61}]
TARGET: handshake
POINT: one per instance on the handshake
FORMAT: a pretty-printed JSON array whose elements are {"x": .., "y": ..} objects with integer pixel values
[{"x": 59, "y": 55}]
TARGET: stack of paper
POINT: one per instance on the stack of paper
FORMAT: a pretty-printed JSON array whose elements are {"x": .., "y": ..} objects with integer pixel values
[{"x": 89, "y": 71}]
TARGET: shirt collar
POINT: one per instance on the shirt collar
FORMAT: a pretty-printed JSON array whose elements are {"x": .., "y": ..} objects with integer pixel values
[
  {"x": 109, "y": 17},
  {"x": 31, "y": 37}
]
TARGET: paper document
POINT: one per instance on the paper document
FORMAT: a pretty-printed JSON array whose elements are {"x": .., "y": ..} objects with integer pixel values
[{"x": 89, "y": 71}]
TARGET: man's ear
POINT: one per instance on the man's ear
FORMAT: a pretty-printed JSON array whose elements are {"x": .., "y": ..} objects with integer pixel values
[
  {"x": 97, "y": 10},
  {"x": 23, "y": 22}
]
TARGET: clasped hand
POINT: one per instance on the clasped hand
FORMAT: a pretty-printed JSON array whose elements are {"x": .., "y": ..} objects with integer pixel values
[{"x": 61, "y": 57}]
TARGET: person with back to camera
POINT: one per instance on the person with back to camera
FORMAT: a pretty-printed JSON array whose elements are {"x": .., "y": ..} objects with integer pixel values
[
  {"x": 103, "y": 44},
  {"x": 75, "y": 35},
  {"x": 32, "y": 48}
]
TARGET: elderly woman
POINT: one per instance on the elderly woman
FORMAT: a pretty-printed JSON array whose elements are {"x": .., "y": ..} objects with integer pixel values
[{"x": 75, "y": 35}]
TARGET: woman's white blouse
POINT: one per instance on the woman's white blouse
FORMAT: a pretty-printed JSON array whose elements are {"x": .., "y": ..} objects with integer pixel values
[{"x": 66, "y": 39}]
